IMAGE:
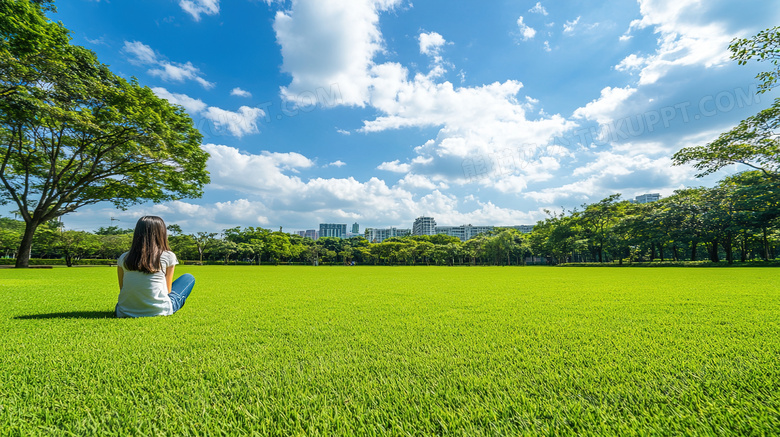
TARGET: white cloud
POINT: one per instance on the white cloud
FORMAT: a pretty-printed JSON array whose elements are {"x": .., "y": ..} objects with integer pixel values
[
  {"x": 431, "y": 43},
  {"x": 394, "y": 166},
  {"x": 142, "y": 54},
  {"x": 237, "y": 123},
  {"x": 197, "y": 7},
  {"x": 175, "y": 72},
  {"x": 471, "y": 120},
  {"x": 265, "y": 176},
  {"x": 326, "y": 42},
  {"x": 568, "y": 27},
  {"x": 337, "y": 163},
  {"x": 193, "y": 106},
  {"x": 97, "y": 41},
  {"x": 422, "y": 160},
  {"x": 273, "y": 198},
  {"x": 684, "y": 40},
  {"x": 607, "y": 107},
  {"x": 249, "y": 173},
  {"x": 240, "y": 93},
  {"x": 526, "y": 32},
  {"x": 538, "y": 9},
  {"x": 207, "y": 217},
  {"x": 547, "y": 46},
  {"x": 415, "y": 181},
  {"x": 613, "y": 171},
  {"x": 631, "y": 62}
]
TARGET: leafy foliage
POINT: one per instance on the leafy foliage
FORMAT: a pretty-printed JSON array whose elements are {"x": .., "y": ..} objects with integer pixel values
[
  {"x": 72, "y": 133},
  {"x": 764, "y": 46},
  {"x": 755, "y": 141}
]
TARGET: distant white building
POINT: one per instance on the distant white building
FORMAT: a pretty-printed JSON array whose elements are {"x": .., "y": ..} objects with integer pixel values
[
  {"x": 467, "y": 232},
  {"x": 424, "y": 226},
  {"x": 378, "y": 235},
  {"x": 464, "y": 232},
  {"x": 647, "y": 198}
]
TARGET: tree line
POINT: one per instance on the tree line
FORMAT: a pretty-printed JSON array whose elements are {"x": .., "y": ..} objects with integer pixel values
[
  {"x": 737, "y": 220},
  {"x": 262, "y": 246}
]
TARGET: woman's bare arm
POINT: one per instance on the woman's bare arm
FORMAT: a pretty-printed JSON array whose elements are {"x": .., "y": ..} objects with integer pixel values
[
  {"x": 169, "y": 277},
  {"x": 120, "y": 274}
]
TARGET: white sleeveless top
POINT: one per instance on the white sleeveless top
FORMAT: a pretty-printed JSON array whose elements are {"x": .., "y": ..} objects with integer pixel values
[{"x": 145, "y": 294}]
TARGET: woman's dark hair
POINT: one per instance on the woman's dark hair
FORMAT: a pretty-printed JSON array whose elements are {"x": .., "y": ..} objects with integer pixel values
[{"x": 150, "y": 240}]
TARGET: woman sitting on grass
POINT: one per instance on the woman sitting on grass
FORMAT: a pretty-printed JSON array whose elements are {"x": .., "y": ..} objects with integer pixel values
[{"x": 146, "y": 285}]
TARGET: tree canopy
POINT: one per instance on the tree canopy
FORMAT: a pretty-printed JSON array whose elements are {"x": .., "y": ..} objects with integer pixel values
[
  {"x": 72, "y": 133},
  {"x": 755, "y": 141}
]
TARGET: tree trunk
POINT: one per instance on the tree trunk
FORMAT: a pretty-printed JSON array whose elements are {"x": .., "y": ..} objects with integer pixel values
[
  {"x": 713, "y": 248},
  {"x": 23, "y": 255},
  {"x": 601, "y": 254},
  {"x": 743, "y": 249},
  {"x": 694, "y": 245},
  {"x": 766, "y": 245},
  {"x": 728, "y": 248}
]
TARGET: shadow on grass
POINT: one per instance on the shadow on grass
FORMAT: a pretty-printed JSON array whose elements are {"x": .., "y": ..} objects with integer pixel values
[{"x": 70, "y": 315}]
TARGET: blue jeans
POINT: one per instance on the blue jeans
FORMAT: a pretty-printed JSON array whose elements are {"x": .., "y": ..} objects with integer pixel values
[{"x": 180, "y": 290}]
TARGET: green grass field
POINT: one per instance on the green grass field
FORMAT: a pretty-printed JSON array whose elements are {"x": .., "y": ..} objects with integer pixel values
[{"x": 396, "y": 350}]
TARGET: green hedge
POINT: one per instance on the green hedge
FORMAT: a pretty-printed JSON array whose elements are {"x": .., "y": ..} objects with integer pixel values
[
  {"x": 60, "y": 262},
  {"x": 761, "y": 263}
]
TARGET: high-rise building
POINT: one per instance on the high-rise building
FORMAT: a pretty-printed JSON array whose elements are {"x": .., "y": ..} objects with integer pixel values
[
  {"x": 424, "y": 226},
  {"x": 355, "y": 228},
  {"x": 309, "y": 233},
  {"x": 647, "y": 198},
  {"x": 336, "y": 230},
  {"x": 378, "y": 235},
  {"x": 524, "y": 229}
]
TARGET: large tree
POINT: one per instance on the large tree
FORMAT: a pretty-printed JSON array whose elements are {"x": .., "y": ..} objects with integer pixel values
[
  {"x": 755, "y": 141},
  {"x": 72, "y": 133},
  {"x": 598, "y": 218}
]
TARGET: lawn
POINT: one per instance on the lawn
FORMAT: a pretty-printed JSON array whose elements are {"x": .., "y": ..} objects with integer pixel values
[{"x": 396, "y": 350}]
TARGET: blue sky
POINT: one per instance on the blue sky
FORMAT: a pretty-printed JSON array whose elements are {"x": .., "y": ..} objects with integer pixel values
[{"x": 379, "y": 111}]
